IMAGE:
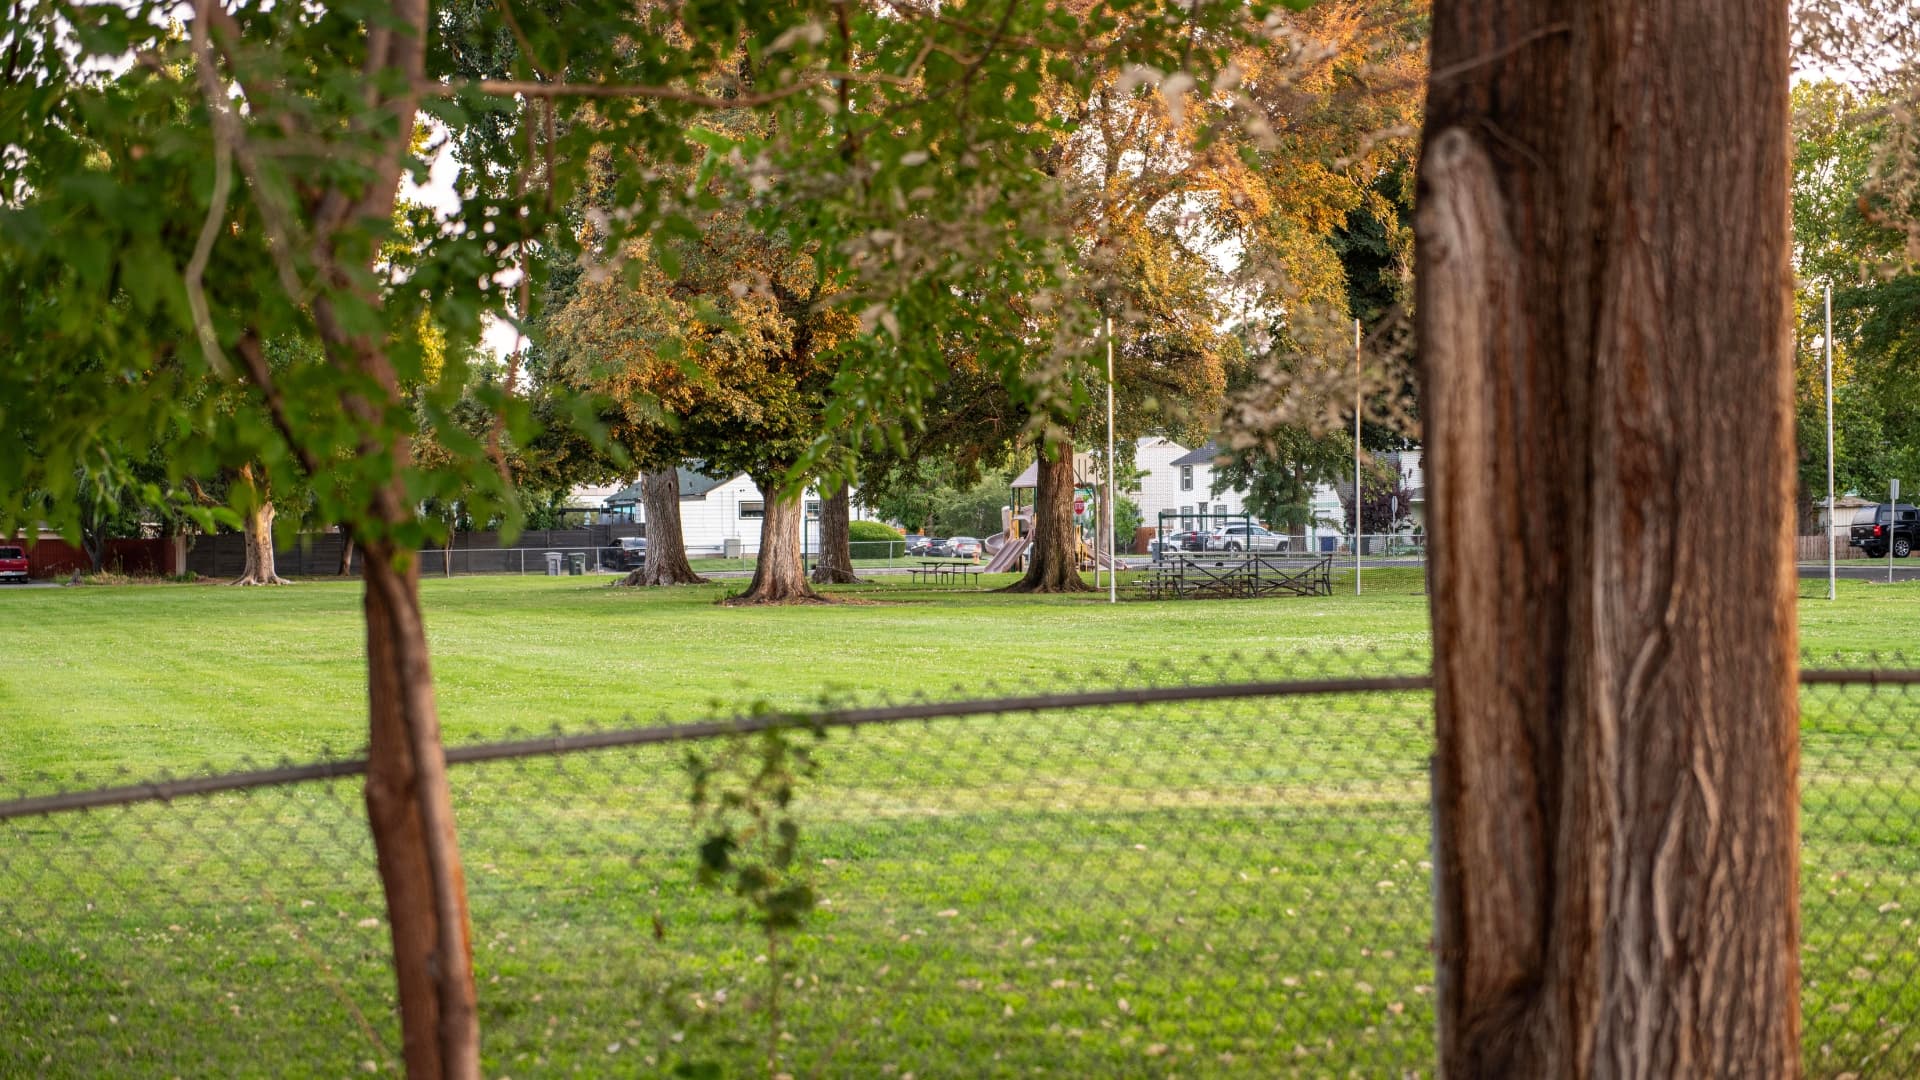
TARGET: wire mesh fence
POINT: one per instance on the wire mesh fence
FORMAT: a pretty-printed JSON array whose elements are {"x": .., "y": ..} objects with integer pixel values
[{"x": 1212, "y": 871}]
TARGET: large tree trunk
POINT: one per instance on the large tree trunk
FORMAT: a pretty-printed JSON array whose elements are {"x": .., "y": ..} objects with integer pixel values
[
  {"x": 257, "y": 535},
  {"x": 666, "y": 562},
  {"x": 257, "y": 541},
  {"x": 835, "y": 563},
  {"x": 779, "y": 574},
  {"x": 410, "y": 810},
  {"x": 1604, "y": 319},
  {"x": 1054, "y": 558}
]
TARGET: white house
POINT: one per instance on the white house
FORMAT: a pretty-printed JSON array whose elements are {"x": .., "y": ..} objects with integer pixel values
[
  {"x": 591, "y": 500},
  {"x": 1179, "y": 481},
  {"x": 716, "y": 512}
]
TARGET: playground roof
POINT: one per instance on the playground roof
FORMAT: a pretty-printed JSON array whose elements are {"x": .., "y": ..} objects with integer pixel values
[{"x": 1082, "y": 472}]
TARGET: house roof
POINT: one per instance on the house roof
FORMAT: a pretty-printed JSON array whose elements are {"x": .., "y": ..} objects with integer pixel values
[
  {"x": 693, "y": 485},
  {"x": 591, "y": 496},
  {"x": 1202, "y": 456}
]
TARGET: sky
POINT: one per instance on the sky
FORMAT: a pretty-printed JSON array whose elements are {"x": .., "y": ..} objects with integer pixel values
[{"x": 500, "y": 337}]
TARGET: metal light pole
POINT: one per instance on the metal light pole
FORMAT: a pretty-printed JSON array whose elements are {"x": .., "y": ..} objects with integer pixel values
[
  {"x": 1356, "y": 457},
  {"x": 1832, "y": 552},
  {"x": 1113, "y": 582}
]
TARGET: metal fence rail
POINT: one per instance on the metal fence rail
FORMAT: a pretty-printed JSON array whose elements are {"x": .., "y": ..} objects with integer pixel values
[{"x": 1213, "y": 872}]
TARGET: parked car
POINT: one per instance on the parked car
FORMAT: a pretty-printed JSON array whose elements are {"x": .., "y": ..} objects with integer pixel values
[
  {"x": 1877, "y": 527},
  {"x": 937, "y": 548},
  {"x": 916, "y": 543},
  {"x": 1163, "y": 545},
  {"x": 13, "y": 564},
  {"x": 1187, "y": 540},
  {"x": 1245, "y": 538},
  {"x": 627, "y": 553},
  {"x": 964, "y": 547}
]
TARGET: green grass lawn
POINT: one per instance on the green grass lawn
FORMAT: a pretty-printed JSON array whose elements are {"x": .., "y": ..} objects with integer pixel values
[
  {"x": 176, "y": 677},
  {"x": 1233, "y": 888}
]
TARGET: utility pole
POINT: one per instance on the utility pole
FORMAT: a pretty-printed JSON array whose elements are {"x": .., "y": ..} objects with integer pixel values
[
  {"x": 1113, "y": 582},
  {"x": 1826, "y": 340}
]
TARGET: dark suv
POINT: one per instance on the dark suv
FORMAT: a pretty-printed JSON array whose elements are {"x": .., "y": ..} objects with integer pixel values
[
  {"x": 1877, "y": 527},
  {"x": 627, "y": 553}
]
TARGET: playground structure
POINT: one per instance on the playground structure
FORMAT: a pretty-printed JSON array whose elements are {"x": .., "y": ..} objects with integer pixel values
[{"x": 1009, "y": 546}]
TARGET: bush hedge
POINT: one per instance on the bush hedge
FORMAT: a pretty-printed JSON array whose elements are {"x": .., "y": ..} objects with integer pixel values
[{"x": 859, "y": 531}]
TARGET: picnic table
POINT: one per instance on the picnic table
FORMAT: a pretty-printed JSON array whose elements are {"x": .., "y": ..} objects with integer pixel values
[
  {"x": 943, "y": 572},
  {"x": 1219, "y": 576}
]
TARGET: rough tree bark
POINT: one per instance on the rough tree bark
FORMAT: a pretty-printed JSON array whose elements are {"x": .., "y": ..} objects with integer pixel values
[
  {"x": 1604, "y": 319},
  {"x": 257, "y": 537},
  {"x": 410, "y": 810},
  {"x": 666, "y": 562},
  {"x": 835, "y": 563},
  {"x": 1054, "y": 556},
  {"x": 780, "y": 572}
]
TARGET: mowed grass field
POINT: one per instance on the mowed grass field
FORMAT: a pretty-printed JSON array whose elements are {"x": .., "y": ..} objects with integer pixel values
[
  {"x": 1227, "y": 888},
  {"x": 179, "y": 677}
]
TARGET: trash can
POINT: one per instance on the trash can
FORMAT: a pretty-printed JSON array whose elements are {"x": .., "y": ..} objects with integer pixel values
[
  {"x": 576, "y": 563},
  {"x": 553, "y": 564},
  {"x": 732, "y": 547},
  {"x": 1329, "y": 545}
]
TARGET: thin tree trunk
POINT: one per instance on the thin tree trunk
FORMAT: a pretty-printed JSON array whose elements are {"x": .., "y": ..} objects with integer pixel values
[
  {"x": 666, "y": 562},
  {"x": 835, "y": 564},
  {"x": 346, "y": 554},
  {"x": 410, "y": 810},
  {"x": 1054, "y": 558},
  {"x": 1604, "y": 315},
  {"x": 779, "y": 574},
  {"x": 94, "y": 544},
  {"x": 408, "y": 800}
]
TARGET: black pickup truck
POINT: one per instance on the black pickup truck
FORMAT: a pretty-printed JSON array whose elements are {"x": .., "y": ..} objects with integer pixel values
[{"x": 1875, "y": 528}]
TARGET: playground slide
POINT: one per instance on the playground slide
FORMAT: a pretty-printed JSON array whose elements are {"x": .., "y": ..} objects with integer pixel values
[
  {"x": 1006, "y": 553},
  {"x": 1088, "y": 560}
]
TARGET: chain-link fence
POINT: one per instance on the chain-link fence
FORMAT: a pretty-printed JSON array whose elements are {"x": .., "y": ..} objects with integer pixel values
[{"x": 1213, "y": 871}]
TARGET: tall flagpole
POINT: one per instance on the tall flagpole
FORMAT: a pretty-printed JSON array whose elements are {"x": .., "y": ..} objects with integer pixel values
[
  {"x": 1113, "y": 583},
  {"x": 1356, "y": 458},
  {"x": 1832, "y": 552}
]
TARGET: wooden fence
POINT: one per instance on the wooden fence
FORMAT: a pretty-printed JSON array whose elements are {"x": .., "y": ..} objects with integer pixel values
[{"x": 318, "y": 554}]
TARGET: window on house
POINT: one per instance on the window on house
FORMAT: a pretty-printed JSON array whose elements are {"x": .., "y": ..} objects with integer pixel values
[
  {"x": 813, "y": 508},
  {"x": 1186, "y": 478},
  {"x": 1220, "y": 509},
  {"x": 1186, "y": 517},
  {"x": 752, "y": 508}
]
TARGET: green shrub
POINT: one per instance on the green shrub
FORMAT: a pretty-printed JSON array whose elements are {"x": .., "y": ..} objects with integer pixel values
[{"x": 860, "y": 531}]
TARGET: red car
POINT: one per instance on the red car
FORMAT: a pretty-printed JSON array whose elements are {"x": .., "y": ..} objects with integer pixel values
[{"x": 13, "y": 564}]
